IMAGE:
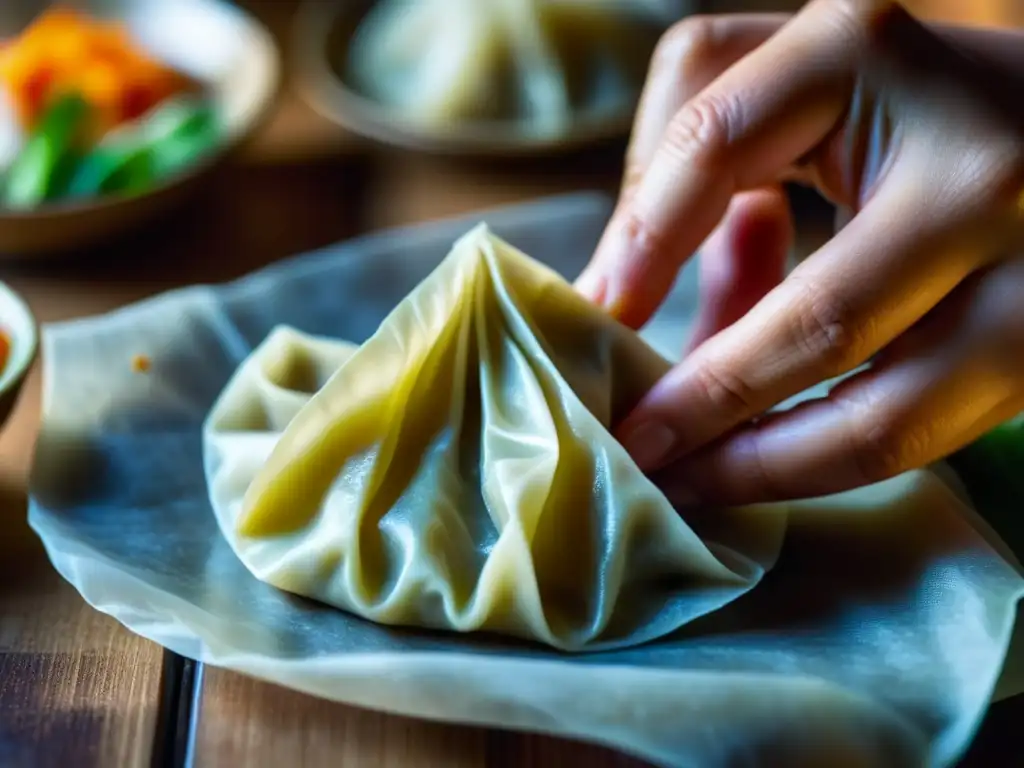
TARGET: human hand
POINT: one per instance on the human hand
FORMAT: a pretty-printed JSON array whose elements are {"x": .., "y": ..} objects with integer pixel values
[{"x": 918, "y": 132}]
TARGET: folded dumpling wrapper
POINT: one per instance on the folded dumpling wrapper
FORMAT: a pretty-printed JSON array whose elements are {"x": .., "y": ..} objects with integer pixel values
[
  {"x": 880, "y": 635},
  {"x": 456, "y": 471}
]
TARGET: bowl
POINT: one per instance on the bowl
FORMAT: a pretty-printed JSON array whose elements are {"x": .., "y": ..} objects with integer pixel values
[
  {"x": 19, "y": 326},
  {"x": 323, "y": 34},
  {"x": 220, "y": 46}
]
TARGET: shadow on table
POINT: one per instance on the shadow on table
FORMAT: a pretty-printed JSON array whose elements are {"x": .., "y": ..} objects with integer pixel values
[
  {"x": 35, "y": 728},
  {"x": 24, "y": 568},
  {"x": 248, "y": 722}
]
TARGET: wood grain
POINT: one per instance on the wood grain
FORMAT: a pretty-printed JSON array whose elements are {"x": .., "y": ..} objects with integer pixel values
[
  {"x": 245, "y": 722},
  {"x": 407, "y": 188},
  {"x": 75, "y": 688},
  {"x": 242, "y": 721}
]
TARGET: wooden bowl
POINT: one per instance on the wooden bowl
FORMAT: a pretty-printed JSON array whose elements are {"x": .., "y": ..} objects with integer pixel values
[
  {"x": 323, "y": 34},
  {"x": 19, "y": 326},
  {"x": 214, "y": 42}
]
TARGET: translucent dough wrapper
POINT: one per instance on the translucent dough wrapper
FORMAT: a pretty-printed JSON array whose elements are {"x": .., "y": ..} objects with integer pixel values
[
  {"x": 880, "y": 635},
  {"x": 456, "y": 471}
]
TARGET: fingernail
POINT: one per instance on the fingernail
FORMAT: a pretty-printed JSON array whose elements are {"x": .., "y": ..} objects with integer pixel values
[
  {"x": 649, "y": 444},
  {"x": 614, "y": 306},
  {"x": 595, "y": 276},
  {"x": 591, "y": 285}
]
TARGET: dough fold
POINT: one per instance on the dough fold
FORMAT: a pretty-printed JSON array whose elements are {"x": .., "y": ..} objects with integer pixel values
[{"x": 456, "y": 470}]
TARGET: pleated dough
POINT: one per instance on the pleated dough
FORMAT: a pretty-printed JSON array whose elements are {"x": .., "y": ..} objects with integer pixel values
[
  {"x": 540, "y": 62},
  {"x": 456, "y": 470}
]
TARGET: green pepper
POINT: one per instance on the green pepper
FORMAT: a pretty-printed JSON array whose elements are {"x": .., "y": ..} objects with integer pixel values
[
  {"x": 134, "y": 159},
  {"x": 130, "y": 161},
  {"x": 123, "y": 167},
  {"x": 44, "y": 166},
  {"x": 180, "y": 132}
]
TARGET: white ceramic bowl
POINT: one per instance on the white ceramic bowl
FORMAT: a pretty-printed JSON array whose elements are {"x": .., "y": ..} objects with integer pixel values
[
  {"x": 214, "y": 42},
  {"x": 19, "y": 326}
]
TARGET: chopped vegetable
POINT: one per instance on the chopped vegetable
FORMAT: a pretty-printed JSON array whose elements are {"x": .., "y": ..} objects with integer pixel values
[
  {"x": 5, "y": 350},
  {"x": 43, "y": 168},
  {"x": 122, "y": 166},
  {"x": 141, "y": 363},
  {"x": 173, "y": 136},
  {"x": 181, "y": 131},
  {"x": 67, "y": 52},
  {"x": 102, "y": 118}
]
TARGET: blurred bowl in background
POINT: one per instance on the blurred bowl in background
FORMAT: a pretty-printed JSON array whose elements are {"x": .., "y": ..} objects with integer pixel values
[
  {"x": 20, "y": 337},
  {"x": 327, "y": 32},
  {"x": 224, "y": 49}
]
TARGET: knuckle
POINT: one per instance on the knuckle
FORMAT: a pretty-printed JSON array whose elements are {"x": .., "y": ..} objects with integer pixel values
[
  {"x": 883, "y": 441},
  {"x": 725, "y": 392},
  {"x": 1007, "y": 189},
  {"x": 763, "y": 472},
  {"x": 862, "y": 12},
  {"x": 883, "y": 449},
  {"x": 646, "y": 244},
  {"x": 828, "y": 331},
  {"x": 687, "y": 47},
  {"x": 633, "y": 174},
  {"x": 986, "y": 180},
  {"x": 864, "y": 21},
  {"x": 704, "y": 128}
]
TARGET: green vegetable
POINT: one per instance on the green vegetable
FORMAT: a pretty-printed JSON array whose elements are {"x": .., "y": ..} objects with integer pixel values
[
  {"x": 134, "y": 159},
  {"x": 992, "y": 469},
  {"x": 124, "y": 167},
  {"x": 129, "y": 161},
  {"x": 43, "y": 168},
  {"x": 180, "y": 132}
]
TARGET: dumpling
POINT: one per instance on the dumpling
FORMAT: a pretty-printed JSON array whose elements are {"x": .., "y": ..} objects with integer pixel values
[
  {"x": 456, "y": 471},
  {"x": 543, "y": 63}
]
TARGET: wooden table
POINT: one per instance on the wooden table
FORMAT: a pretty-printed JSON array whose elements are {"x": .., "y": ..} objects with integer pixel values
[{"x": 76, "y": 689}]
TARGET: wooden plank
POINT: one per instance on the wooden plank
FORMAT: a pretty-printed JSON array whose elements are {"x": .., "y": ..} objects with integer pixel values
[
  {"x": 408, "y": 188},
  {"x": 75, "y": 688},
  {"x": 242, "y": 721}
]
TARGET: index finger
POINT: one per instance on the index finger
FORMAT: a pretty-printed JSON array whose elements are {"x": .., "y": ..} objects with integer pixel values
[
  {"x": 688, "y": 59},
  {"x": 748, "y": 126}
]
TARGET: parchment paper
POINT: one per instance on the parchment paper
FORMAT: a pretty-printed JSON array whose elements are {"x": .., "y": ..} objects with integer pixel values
[{"x": 877, "y": 640}]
